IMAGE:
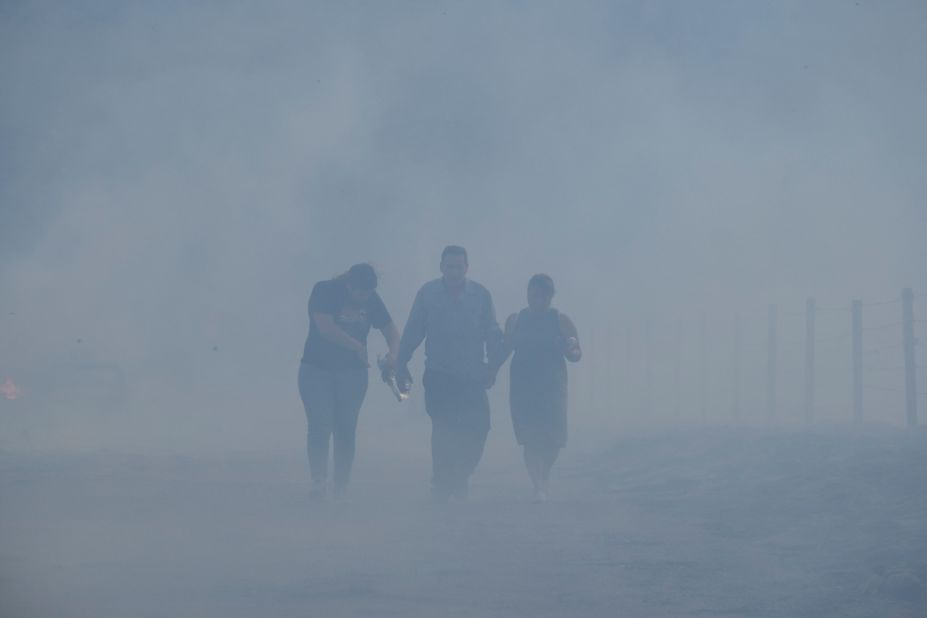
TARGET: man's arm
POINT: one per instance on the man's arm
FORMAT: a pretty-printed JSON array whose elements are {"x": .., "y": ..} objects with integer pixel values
[{"x": 414, "y": 332}]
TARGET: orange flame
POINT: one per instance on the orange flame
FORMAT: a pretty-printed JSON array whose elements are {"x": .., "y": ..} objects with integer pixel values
[{"x": 10, "y": 390}]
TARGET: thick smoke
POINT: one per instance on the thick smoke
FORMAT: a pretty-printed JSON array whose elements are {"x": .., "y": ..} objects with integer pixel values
[{"x": 176, "y": 177}]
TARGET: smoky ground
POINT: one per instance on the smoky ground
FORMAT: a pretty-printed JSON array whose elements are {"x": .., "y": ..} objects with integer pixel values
[{"x": 692, "y": 521}]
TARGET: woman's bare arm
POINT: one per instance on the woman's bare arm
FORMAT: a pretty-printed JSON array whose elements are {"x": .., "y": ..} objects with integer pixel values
[
  {"x": 507, "y": 337},
  {"x": 572, "y": 352}
]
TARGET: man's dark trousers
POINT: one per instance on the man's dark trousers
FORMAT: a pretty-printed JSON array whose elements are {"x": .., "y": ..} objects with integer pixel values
[{"x": 459, "y": 411}]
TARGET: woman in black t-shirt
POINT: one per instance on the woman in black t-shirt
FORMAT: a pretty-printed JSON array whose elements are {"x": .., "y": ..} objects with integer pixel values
[{"x": 333, "y": 371}]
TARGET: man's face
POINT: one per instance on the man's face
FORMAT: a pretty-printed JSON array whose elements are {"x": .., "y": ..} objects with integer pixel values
[
  {"x": 358, "y": 296},
  {"x": 454, "y": 268},
  {"x": 539, "y": 297}
]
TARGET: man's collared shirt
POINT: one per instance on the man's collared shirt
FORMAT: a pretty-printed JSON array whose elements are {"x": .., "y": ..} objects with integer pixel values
[{"x": 460, "y": 330}]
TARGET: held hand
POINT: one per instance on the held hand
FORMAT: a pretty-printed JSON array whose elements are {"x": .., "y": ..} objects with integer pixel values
[
  {"x": 403, "y": 378},
  {"x": 571, "y": 348},
  {"x": 387, "y": 368}
]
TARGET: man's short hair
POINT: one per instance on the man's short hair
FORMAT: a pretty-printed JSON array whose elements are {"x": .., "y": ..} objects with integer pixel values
[
  {"x": 362, "y": 277},
  {"x": 455, "y": 250}
]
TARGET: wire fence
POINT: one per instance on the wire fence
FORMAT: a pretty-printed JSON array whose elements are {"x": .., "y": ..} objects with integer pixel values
[{"x": 853, "y": 363}]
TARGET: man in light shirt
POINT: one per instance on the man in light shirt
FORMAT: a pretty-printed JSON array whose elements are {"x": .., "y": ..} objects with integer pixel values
[{"x": 463, "y": 350}]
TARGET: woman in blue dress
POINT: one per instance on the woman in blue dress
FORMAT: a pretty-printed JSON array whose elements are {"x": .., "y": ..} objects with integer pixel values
[{"x": 542, "y": 340}]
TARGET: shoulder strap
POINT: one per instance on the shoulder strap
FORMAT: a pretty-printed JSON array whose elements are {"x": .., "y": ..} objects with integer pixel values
[{"x": 559, "y": 319}]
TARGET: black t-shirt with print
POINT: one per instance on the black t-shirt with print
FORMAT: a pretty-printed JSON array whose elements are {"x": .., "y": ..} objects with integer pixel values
[{"x": 331, "y": 297}]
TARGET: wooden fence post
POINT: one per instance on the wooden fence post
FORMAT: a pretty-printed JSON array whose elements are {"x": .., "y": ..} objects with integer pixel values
[
  {"x": 772, "y": 357},
  {"x": 677, "y": 371},
  {"x": 857, "y": 325},
  {"x": 910, "y": 380},
  {"x": 648, "y": 367},
  {"x": 703, "y": 367},
  {"x": 809, "y": 359},
  {"x": 735, "y": 403}
]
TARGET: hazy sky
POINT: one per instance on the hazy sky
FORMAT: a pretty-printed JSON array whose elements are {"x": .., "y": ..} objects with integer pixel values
[{"x": 174, "y": 176}]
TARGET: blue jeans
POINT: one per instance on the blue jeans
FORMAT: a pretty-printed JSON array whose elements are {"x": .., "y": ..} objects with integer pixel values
[{"x": 332, "y": 400}]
